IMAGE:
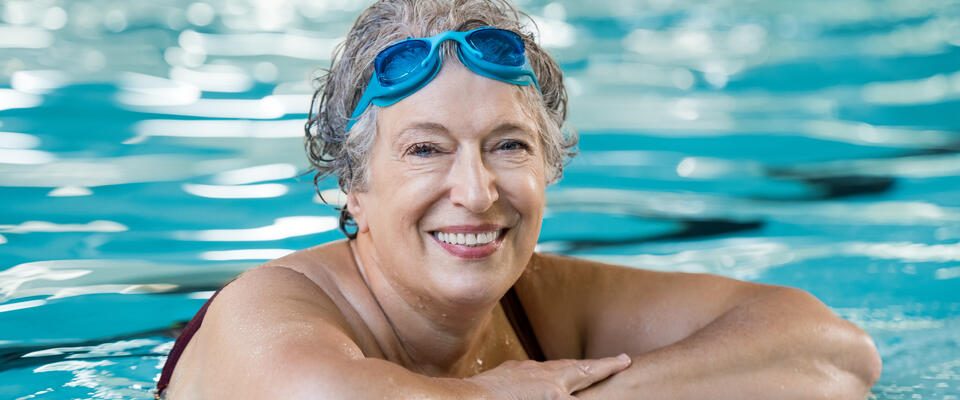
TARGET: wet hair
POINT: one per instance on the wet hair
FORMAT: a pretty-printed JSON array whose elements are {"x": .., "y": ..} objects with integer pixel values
[{"x": 334, "y": 152}]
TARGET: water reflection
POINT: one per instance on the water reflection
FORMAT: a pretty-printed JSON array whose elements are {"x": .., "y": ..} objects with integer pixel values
[
  {"x": 261, "y": 191},
  {"x": 742, "y": 259},
  {"x": 260, "y": 173},
  {"x": 220, "y": 128},
  {"x": 937, "y": 88},
  {"x": 267, "y": 108},
  {"x": 25, "y": 37},
  {"x": 25, "y": 157},
  {"x": 12, "y": 99},
  {"x": 259, "y": 44},
  {"x": 148, "y": 154},
  {"x": 282, "y": 228},
  {"x": 70, "y": 191},
  {"x": 39, "y": 81},
  {"x": 21, "y": 305},
  {"x": 15, "y": 140},
  {"x": 947, "y": 273},
  {"x": 47, "y": 278},
  {"x": 139, "y": 90},
  {"x": 244, "y": 254},
  {"x": 40, "y": 169},
  {"x": 44, "y": 226},
  {"x": 703, "y": 206}
]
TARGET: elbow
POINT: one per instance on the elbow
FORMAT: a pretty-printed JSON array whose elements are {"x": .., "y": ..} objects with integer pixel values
[
  {"x": 847, "y": 355},
  {"x": 856, "y": 381},
  {"x": 856, "y": 358},
  {"x": 855, "y": 353},
  {"x": 869, "y": 366},
  {"x": 853, "y": 366}
]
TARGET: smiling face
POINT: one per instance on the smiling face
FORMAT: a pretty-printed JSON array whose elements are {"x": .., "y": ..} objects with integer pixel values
[{"x": 455, "y": 195}]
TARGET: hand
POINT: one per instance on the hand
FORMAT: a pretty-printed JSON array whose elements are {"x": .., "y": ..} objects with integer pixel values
[{"x": 557, "y": 379}]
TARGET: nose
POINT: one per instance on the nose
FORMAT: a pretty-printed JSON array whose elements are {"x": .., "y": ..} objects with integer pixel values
[{"x": 472, "y": 184}]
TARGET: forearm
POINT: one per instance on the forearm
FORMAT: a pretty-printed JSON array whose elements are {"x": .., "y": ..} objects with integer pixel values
[
  {"x": 755, "y": 351},
  {"x": 366, "y": 379}
]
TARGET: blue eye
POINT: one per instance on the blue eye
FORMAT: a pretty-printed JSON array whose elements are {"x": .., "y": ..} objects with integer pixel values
[
  {"x": 422, "y": 150},
  {"x": 511, "y": 145}
]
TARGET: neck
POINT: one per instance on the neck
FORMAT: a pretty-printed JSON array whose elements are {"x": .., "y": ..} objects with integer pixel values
[{"x": 437, "y": 337}]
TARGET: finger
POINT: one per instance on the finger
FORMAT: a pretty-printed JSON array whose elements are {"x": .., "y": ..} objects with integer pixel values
[{"x": 583, "y": 373}]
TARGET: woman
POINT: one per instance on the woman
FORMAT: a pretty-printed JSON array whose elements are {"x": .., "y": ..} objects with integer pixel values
[{"x": 438, "y": 292}]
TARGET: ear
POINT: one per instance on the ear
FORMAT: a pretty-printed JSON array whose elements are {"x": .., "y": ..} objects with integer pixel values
[{"x": 356, "y": 209}]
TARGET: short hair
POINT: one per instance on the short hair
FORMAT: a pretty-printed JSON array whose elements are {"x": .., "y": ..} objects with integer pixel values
[{"x": 334, "y": 152}]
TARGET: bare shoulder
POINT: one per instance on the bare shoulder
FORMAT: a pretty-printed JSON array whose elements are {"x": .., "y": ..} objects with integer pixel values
[
  {"x": 262, "y": 329},
  {"x": 321, "y": 264},
  {"x": 607, "y": 305},
  {"x": 271, "y": 294},
  {"x": 285, "y": 292}
]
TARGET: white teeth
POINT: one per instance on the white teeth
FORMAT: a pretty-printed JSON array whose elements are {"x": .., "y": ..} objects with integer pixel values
[{"x": 467, "y": 239}]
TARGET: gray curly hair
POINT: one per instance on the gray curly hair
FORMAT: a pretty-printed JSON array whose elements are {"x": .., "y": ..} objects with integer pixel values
[{"x": 334, "y": 152}]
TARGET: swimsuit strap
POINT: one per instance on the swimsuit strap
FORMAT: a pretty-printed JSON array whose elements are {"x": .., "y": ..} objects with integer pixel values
[
  {"x": 181, "y": 344},
  {"x": 521, "y": 325}
]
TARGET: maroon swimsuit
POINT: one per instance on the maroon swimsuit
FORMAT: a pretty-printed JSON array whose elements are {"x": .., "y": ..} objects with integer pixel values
[{"x": 510, "y": 303}]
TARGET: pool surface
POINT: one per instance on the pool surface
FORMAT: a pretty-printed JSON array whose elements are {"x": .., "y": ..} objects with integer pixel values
[{"x": 149, "y": 154}]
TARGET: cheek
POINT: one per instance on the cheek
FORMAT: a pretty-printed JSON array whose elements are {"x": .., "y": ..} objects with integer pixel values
[
  {"x": 525, "y": 187},
  {"x": 403, "y": 194}
]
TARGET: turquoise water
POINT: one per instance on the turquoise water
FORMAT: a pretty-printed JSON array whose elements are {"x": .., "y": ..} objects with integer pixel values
[{"x": 148, "y": 154}]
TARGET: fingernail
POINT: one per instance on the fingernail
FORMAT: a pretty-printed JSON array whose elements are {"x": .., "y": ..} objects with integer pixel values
[{"x": 624, "y": 357}]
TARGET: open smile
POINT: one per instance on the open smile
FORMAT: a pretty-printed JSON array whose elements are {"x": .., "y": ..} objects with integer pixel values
[{"x": 470, "y": 242}]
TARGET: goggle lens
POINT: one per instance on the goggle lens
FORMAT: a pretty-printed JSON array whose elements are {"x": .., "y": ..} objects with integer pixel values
[
  {"x": 406, "y": 66},
  {"x": 396, "y": 62},
  {"x": 498, "y": 46}
]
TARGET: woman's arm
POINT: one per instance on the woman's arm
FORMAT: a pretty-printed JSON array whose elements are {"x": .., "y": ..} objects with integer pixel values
[
  {"x": 695, "y": 336},
  {"x": 780, "y": 344}
]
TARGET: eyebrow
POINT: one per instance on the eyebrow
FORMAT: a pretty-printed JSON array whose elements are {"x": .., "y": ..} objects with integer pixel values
[
  {"x": 434, "y": 127},
  {"x": 511, "y": 126},
  {"x": 431, "y": 127},
  {"x": 424, "y": 126}
]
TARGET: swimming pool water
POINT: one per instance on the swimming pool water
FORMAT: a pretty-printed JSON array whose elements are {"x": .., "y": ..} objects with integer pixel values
[{"x": 150, "y": 153}]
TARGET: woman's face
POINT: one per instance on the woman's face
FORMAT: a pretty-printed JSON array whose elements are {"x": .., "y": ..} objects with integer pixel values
[{"x": 457, "y": 160}]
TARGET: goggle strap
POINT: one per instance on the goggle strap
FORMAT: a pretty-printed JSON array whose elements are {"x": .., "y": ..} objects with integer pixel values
[{"x": 365, "y": 100}]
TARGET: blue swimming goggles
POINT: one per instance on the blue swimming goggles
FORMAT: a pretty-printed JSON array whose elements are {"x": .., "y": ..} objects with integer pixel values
[{"x": 407, "y": 66}]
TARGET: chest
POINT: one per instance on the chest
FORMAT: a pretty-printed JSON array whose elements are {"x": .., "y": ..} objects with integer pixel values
[{"x": 498, "y": 343}]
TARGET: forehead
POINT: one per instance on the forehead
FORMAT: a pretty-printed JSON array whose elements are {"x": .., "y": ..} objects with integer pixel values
[{"x": 460, "y": 102}]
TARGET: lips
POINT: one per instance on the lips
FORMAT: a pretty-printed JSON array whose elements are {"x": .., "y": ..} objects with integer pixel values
[{"x": 470, "y": 242}]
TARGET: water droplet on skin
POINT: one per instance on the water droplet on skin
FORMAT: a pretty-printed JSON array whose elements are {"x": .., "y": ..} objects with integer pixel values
[{"x": 479, "y": 362}]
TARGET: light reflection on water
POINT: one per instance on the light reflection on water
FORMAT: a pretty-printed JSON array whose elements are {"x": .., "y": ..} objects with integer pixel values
[{"x": 149, "y": 153}]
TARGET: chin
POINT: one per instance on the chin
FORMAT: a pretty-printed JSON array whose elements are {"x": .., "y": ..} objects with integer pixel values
[
  {"x": 475, "y": 285},
  {"x": 474, "y": 281}
]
